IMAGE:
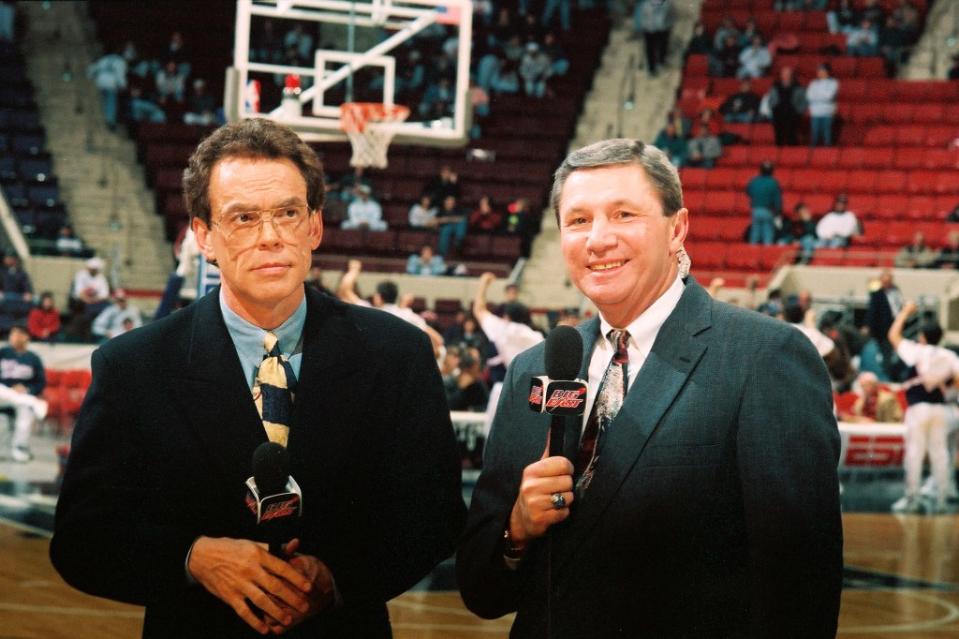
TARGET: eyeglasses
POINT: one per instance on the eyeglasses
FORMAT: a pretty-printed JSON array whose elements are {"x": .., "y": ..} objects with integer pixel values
[{"x": 243, "y": 227}]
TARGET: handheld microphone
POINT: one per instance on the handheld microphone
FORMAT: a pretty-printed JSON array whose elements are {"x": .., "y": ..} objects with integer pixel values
[
  {"x": 273, "y": 496},
  {"x": 558, "y": 392}
]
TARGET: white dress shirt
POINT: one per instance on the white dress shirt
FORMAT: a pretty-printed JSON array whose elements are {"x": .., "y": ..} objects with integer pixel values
[{"x": 642, "y": 334}]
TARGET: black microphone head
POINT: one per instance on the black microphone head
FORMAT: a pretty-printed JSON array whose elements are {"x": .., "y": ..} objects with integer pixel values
[
  {"x": 564, "y": 352},
  {"x": 271, "y": 468}
]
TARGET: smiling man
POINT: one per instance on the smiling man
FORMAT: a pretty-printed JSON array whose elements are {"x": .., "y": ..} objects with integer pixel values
[
  {"x": 697, "y": 497},
  {"x": 152, "y": 509}
]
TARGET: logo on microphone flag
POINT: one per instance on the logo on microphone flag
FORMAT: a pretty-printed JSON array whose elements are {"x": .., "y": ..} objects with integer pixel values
[{"x": 251, "y": 97}]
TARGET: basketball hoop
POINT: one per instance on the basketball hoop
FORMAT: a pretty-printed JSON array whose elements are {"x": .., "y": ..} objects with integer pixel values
[{"x": 369, "y": 126}]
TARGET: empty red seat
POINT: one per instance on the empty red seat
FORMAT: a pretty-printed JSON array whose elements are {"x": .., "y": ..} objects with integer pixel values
[
  {"x": 899, "y": 234},
  {"x": 921, "y": 182},
  {"x": 870, "y": 68},
  {"x": 710, "y": 255},
  {"x": 805, "y": 179},
  {"x": 909, "y": 135},
  {"x": 867, "y": 113},
  {"x": 879, "y": 158},
  {"x": 697, "y": 65},
  {"x": 940, "y": 158},
  {"x": 759, "y": 153},
  {"x": 892, "y": 207},
  {"x": 852, "y": 157},
  {"x": 921, "y": 207},
  {"x": 834, "y": 181},
  {"x": 852, "y": 89},
  {"x": 910, "y": 158},
  {"x": 929, "y": 114},
  {"x": 862, "y": 204},
  {"x": 771, "y": 257},
  {"x": 862, "y": 181},
  {"x": 891, "y": 181},
  {"x": 794, "y": 156},
  {"x": 939, "y": 136},
  {"x": 693, "y": 178},
  {"x": 947, "y": 182},
  {"x": 693, "y": 200},
  {"x": 844, "y": 67},
  {"x": 824, "y": 158},
  {"x": 735, "y": 156},
  {"x": 828, "y": 257},
  {"x": 744, "y": 257},
  {"x": 720, "y": 203},
  {"x": 880, "y": 136}
]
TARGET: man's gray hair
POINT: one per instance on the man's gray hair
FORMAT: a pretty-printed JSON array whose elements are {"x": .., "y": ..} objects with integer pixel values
[{"x": 660, "y": 171}]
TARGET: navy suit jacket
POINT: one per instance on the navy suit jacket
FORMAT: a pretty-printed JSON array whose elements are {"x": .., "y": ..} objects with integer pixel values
[
  {"x": 164, "y": 443},
  {"x": 714, "y": 511}
]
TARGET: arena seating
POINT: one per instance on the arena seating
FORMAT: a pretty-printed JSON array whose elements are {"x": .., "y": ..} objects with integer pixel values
[
  {"x": 26, "y": 168},
  {"x": 525, "y": 149},
  {"x": 896, "y": 156}
]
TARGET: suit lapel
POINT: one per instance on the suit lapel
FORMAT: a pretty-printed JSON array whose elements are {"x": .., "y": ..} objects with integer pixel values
[
  {"x": 333, "y": 348},
  {"x": 673, "y": 357},
  {"x": 214, "y": 395}
]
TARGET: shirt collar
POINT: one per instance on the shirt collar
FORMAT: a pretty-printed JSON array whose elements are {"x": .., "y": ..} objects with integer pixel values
[
  {"x": 643, "y": 329},
  {"x": 248, "y": 338}
]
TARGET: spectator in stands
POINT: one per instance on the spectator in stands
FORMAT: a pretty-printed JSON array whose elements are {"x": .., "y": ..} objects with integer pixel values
[
  {"x": 470, "y": 393},
  {"x": 110, "y": 322},
  {"x": 802, "y": 230},
  {"x": 916, "y": 254},
  {"x": 16, "y": 282},
  {"x": 908, "y": 18},
  {"x": 754, "y": 60},
  {"x": 109, "y": 74},
  {"x": 948, "y": 257},
  {"x": 726, "y": 29},
  {"x": 700, "y": 44},
  {"x": 519, "y": 221},
  {"x": 843, "y": 18},
  {"x": 672, "y": 144},
  {"x": 837, "y": 227},
  {"x": 423, "y": 214},
  {"x": 43, "y": 322},
  {"x": 787, "y": 102},
  {"x": 874, "y": 403},
  {"x": 298, "y": 39},
  {"x": 682, "y": 124},
  {"x": 141, "y": 108},
  {"x": 821, "y": 97},
  {"x": 452, "y": 223},
  {"x": 740, "y": 107},
  {"x": 170, "y": 85},
  {"x": 804, "y": 322},
  {"x": 486, "y": 218},
  {"x": 557, "y": 55},
  {"x": 508, "y": 334},
  {"x": 8, "y": 13},
  {"x": 176, "y": 50},
  {"x": 67, "y": 243},
  {"x": 727, "y": 57},
  {"x": 364, "y": 212},
  {"x": 932, "y": 369},
  {"x": 873, "y": 12},
  {"x": 535, "y": 68},
  {"x": 200, "y": 106},
  {"x": 385, "y": 299},
  {"x": 350, "y": 181},
  {"x": 704, "y": 149},
  {"x": 953, "y": 73},
  {"x": 315, "y": 280},
  {"x": 554, "y": 6},
  {"x": 425, "y": 263},
  {"x": 893, "y": 41},
  {"x": 22, "y": 380},
  {"x": 885, "y": 302},
  {"x": 765, "y": 201},
  {"x": 445, "y": 184},
  {"x": 656, "y": 17},
  {"x": 863, "y": 40},
  {"x": 707, "y": 118}
]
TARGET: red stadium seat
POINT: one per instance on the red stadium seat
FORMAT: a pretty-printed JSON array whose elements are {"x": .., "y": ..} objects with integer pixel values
[
  {"x": 921, "y": 207},
  {"x": 880, "y": 136},
  {"x": 693, "y": 178},
  {"x": 929, "y": 114},
  {"x": 891, "y": 181},
  {"x": 862, "y": 181},
  {"x": 824, "y": 158},
  {"x": 696, "y": 65},
  {"x": 744, "y": 257},
  {"x": 867, "y": 113},
  {"x": 833, "y": 181},
  {"x": 828, "y": 257},
  {"x": 940, "y": 158},
  {"x": 870, "y": 68},
  {"x": 898, "y": 113},
  {"x": 947, "y": 182},
  {"x": 844, "y": 67},
  {"x": 735, "y": 156},
  {"x": 875, "y": 233},
  {"x": 909, "y": 135},
  {"x": 922, "y": 182},
  {"x": 939, "y": 136},
  {"x": 720, "y": 203},
  {"x": 879, "y": 158},
  {"x": 771, "y": 256},
  {"x": 693, "y": 200},
  {"x": 794, "y": 156},
  {"x": 710, "y": 255},
  {"x": 805, "y": 180},
  {"x": 909, "y": 158},
  {"x": 892, "y": 207},
  {"x": 862, "y": 204},
  {"x": 852, "y": 89},
  {"x": 852, "y": 157},
  {"x": 899, "y": 234},
  {"x": 760, "y": 153}
]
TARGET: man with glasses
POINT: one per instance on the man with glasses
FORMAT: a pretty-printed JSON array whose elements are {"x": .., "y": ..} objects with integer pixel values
[{"x": 152, "y": 510}]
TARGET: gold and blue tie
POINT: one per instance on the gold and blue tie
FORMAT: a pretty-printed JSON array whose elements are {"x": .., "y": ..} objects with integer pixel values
[{"x": 273, "y": 391}]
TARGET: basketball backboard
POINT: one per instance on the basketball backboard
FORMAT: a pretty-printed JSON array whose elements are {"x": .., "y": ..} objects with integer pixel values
[{"x": 364, "y": 49}]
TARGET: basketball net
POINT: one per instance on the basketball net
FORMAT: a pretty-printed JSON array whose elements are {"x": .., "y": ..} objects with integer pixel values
[{"x": 370, "y": 127}]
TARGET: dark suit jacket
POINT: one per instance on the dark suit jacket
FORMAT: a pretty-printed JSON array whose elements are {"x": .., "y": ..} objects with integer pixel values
[
  {"x": 164, "y": 443},
  {"x": 714, "y": 511},
  {"x": 879, "y": 315}
]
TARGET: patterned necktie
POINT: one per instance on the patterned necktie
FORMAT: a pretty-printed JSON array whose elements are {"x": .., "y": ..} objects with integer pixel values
[
  {"x": 273, "y": 391},
  {"x": 609, "y": 399}
]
